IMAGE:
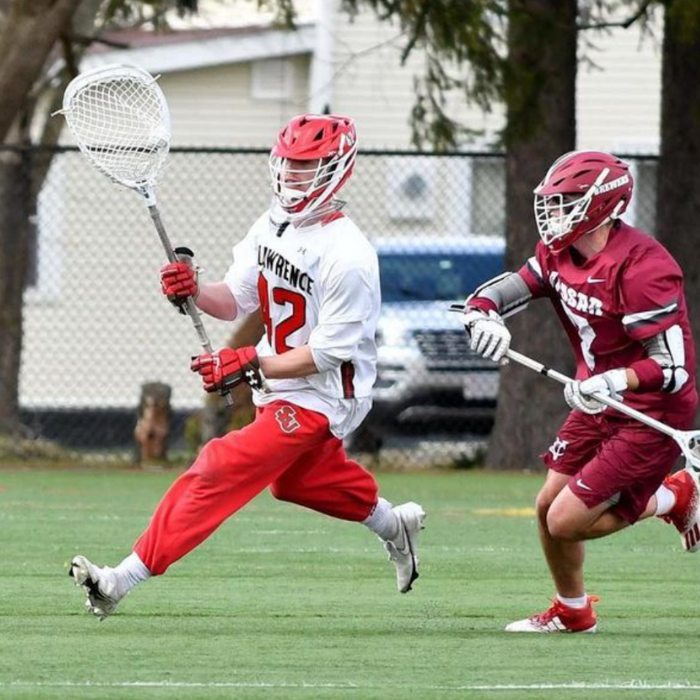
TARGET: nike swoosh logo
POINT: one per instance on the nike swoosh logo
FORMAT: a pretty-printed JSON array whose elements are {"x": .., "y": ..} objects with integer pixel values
[
  {"x": 595, "y": 280},
  {"x": 580, "y": 484}
]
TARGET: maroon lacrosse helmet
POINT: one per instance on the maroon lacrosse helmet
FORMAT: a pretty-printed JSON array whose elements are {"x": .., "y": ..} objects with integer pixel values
[
  {"x": 329, "y": 143},
  {"x": 581, "y": 191}
]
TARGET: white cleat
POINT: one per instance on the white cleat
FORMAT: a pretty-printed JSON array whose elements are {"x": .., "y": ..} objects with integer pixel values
[
  {"x": 403, "y": 548},
  {"x": 99, "y": 584}
]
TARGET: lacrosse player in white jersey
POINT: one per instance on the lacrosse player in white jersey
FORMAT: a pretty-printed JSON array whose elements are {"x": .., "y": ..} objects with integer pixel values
[{"x": 315, "y": 278}]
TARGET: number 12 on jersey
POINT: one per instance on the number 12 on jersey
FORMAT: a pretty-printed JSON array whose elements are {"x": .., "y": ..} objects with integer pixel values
[{"x": 278, "y": 331}]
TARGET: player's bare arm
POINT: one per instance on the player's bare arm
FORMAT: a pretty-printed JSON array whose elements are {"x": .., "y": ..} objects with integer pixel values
[
  {"x": 215, "y": 299},
  {"x": 298, "y": 362}
]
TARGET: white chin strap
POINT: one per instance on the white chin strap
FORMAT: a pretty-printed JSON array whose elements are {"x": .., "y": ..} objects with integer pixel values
[
  {"x": 289, "y": 197},
  {"x": 315, "y": 206},
  {"x": 279, "y": 214}
]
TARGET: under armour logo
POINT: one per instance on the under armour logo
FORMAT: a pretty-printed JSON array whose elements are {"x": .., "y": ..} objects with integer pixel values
[
  {"x": 286, "y": 417},
  {"x": 252, "y": 378},
  {"x": 301, "y": 250},
  {"x": 558, "y": 448}
]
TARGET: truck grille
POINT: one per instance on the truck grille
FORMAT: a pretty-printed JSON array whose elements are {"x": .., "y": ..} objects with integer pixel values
[{"x": 448, "y": 350}]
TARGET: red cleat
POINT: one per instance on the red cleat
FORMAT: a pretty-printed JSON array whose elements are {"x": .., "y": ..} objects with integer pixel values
[
  {"x": 559, "y": 618},
  {"x": 685, "y": 514}
]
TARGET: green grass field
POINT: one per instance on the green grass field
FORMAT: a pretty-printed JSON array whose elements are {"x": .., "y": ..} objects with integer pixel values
[{"x": 285, "y": 603}]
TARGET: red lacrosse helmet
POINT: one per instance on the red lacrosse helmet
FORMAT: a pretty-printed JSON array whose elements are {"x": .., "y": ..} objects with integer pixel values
[
  {"x": 581, "y": 191},
  {"x": 329, "y": 142}
]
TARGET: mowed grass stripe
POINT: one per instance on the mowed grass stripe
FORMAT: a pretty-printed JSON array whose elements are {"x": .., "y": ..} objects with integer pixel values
[{"x": 633, "y": 685}]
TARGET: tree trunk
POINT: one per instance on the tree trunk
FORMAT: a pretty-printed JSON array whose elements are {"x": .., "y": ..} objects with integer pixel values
[
  {"x": 152, "y": 431},
  {"x": 29, "y": 33},
  {"x": 541, "y": 114},
  {"x": 15, "y": 207},
  {"x": 678, "y": 188}
]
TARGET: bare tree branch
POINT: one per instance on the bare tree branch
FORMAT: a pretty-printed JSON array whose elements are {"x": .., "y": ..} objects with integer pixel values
[{"x": 626, "y": 23}]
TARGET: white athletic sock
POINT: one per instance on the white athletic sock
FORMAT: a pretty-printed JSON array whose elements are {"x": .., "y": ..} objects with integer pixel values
[
  {"x": 665, "y": 500},
  {"x": 383, "y": 520},
  {"x": 130, "y": 572},
  {"x": 579, "y": 603}
]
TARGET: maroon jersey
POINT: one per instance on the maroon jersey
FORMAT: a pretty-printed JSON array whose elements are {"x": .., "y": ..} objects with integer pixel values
[{"x": 610, "y": 302}]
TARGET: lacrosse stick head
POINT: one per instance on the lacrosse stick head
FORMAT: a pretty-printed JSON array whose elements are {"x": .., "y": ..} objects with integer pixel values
[
  {"x": 690, "y": 446},
  {"x": 120, "y": 120}
]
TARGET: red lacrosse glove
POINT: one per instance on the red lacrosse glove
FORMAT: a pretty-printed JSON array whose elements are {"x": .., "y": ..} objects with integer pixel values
[
  {"x": 226, "y": 368},
  {"x": 178, "y": 280}
]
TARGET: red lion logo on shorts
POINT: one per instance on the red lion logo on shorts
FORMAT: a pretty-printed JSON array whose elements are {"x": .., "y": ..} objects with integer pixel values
[{"x": 286, "y": 417}]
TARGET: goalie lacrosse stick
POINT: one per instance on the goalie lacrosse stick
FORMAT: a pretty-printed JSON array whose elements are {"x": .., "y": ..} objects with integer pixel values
[
  {"x": 120, "y": 120},
  {"x": 687, "y": 440}
]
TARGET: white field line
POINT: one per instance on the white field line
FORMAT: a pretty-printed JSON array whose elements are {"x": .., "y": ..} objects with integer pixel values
[{"x": 630, "y": 685}]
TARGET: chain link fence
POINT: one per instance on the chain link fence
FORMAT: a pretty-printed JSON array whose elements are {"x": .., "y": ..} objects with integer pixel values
[{"x": 96, "y": 328}]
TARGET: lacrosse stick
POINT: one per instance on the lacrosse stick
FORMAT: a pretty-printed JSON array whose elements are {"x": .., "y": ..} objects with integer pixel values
[
  {"x": 687, "y": 440},
  {"x": 120, "y": 120}
]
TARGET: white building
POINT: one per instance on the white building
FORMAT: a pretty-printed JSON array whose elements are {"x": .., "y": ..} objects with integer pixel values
[
  {"x": 96, "y": 324},
  {"x": 231, "y": 84}
]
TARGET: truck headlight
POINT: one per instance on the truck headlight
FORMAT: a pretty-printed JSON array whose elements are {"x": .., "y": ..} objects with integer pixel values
[{"x": 394, "y": 335}]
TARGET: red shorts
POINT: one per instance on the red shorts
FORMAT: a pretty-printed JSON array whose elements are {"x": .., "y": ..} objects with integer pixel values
[{"x": 612, "y": 459}]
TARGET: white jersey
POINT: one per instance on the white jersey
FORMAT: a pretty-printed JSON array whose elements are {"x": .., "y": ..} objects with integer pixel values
[{"x": 317, "y": 285}]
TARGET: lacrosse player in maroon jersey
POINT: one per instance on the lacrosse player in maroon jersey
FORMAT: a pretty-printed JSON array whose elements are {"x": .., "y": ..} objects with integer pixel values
[
  {"x": 619, "y": 295},
  {"x": 315, "y": 278}
]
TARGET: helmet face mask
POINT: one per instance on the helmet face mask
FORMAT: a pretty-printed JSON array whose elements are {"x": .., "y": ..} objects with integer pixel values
[
  {"x": 582, "y": 191},
  {"x": 297, "y": 179},
  {"x": 557, "y": 215},
  {"x": 311, "y": 160}
]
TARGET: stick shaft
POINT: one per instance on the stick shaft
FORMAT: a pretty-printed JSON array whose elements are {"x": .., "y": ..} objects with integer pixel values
[
  {"x": 608, "y": 401},
  {"x": 687, "y": 441},
  {"x": 190, "y": 306}
]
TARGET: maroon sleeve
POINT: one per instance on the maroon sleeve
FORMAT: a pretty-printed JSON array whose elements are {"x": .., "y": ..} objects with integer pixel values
[
  {"x": 482, "y": 303},
  {"x": 651, "y": 293}
]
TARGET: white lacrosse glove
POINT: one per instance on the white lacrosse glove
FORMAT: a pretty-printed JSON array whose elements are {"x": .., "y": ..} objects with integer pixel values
[
  {"x": 578, "y": 394},
  {"x": 488, "y": 334}
]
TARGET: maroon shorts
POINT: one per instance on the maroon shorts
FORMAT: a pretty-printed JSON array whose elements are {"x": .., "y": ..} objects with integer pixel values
[{"x": 612, "y": 459}]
